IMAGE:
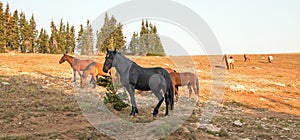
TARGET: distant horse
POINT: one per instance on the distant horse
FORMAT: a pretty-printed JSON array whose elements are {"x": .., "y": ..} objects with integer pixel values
[
  {"x": 76, "y": 64},
  {"x": 246, "y": 57},
  {"x": 182, "y": 79},
  {"x": 133, "y": 76},
  {"x": 94, "y": 69},
  {"x": 229, "y": 62},
  {"x": 270, "y": 59}
]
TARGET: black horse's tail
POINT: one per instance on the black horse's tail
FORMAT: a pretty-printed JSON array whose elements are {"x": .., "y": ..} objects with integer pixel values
[
  {"x": 170, "y": 89},
  {"x": 171, "y": 94}
]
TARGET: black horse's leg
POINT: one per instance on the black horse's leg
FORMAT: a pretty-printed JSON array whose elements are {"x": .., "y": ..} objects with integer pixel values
[
  {"x": 167, "y": 101},
  {"x": 130, "y": 89},
  {"x": 155, "y": 111},
  {"x": 158, "y": 94}
]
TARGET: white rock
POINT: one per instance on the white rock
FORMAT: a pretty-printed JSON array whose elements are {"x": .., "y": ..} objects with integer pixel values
[
  {"x": 237, "y": 123},
  {"x": 252, "y": 90},
  {"x": 212, "y": 128},
  {"x": 195, "y": 125},
  {"x": 256, "y": 68},
  {"x": 5, "y": 83},
  {"x": 280, "y": 84},
  {"x": 237, "y": 87},
  {"x": 185, "y": 130},
  {"x": 286, "y": 129},
  {"x": 24, "y": 73}
]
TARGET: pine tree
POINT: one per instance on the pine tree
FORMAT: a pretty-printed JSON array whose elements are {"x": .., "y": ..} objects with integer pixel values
[
  {"x": 143, "y": 39},
  {"x": 72, "y": 40},
  {"x": 24, "y": 34},
  {"x": 119, "y": 39},
  {"x": 7, "y": 26},
  {"x": 89, "y": 38},
  {"x": 14, "y": 36},
  {"x": 61, "y": 38},
  {"x": 134, "y": 44},
  {"x": 149, "y": 42},
  {"x": 85, "y": 39},
  {"x": 67, "y": 39},
  {"x": 43, "y": 42},
  {"x": 32, "y": 35},
  {"x": 2, "y": 30},
  {"x": 53, "y": 45},
  {"x": 79, "y": 39},
  {"x": 110, "y": 35}
]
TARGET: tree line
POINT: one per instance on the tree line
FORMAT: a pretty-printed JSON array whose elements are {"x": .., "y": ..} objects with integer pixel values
[
  {"x": 147, "y": 42},
  {"x": 19, "y": 34}
]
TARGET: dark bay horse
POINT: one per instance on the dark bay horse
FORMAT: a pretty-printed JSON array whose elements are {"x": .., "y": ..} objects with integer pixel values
[
  {"x": 133, "y": 77},
  {"x": 76, "y": 64},
  {"x": 182, "y": 79},
  {"x": 246, "y": 57},
  {"x": 94, "y": 69}
]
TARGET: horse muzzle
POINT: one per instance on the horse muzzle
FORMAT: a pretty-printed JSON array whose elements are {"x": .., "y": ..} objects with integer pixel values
[{"x": 105, "y": 70}]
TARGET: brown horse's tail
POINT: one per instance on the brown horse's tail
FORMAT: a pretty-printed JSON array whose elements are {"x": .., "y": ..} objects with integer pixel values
[{"x": 197, "y": 85}]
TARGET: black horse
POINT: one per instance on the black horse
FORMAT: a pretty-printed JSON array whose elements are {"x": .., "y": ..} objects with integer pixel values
[{"x": 133, "y": 76}]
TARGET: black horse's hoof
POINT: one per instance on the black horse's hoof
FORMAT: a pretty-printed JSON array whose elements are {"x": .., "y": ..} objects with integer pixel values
[
  {"x": 133, "y": 114},
  {"x": 134, "y": 111},
  {"x": 155, "y": 112}
]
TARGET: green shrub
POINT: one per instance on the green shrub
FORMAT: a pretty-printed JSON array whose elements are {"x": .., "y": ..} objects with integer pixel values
[{"x": 111, "y": 97}]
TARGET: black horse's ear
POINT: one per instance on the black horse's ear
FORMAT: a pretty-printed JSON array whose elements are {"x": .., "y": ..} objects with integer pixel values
[
  {"x": 107, "y": 50},
  {"x": 115, "y": 51}
]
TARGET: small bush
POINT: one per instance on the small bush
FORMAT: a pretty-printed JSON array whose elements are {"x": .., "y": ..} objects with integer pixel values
[{"x": 111, "y": 97}]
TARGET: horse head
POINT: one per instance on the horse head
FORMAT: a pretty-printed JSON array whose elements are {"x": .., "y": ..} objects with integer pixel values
[
  {"x": 109, "y": 58},
  {"x": 63, "y": 59}
]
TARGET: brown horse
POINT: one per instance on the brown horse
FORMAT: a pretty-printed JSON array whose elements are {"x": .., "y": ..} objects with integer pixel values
[
  {"x": 246, "y": 57},
  {"x": 76, "y": 64},
  {"x": 182, "y": 79},
  {"x": 94, "y": 69}
]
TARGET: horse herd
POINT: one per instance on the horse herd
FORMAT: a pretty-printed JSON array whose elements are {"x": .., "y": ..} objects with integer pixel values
[
  {"x": 162, "y": 82},
  {"x": 229, "y": 61}
]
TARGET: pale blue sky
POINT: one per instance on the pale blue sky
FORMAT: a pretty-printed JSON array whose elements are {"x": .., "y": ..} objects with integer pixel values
[{"x": 240, "y": 26}]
